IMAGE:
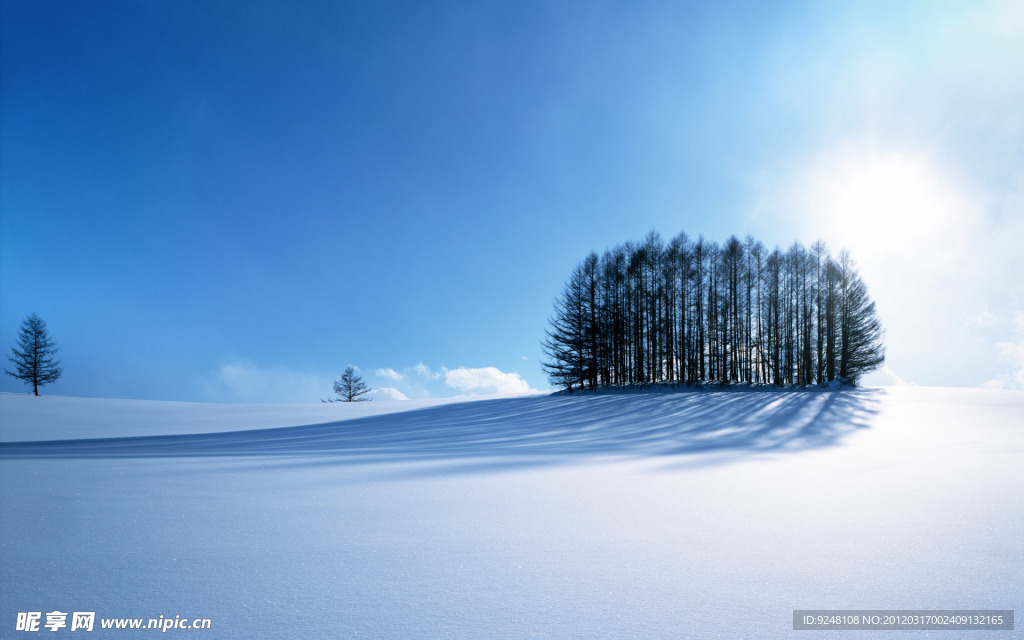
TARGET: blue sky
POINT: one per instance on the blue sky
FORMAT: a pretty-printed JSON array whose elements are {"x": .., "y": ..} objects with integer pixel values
[{"x": 231, "y": 201}]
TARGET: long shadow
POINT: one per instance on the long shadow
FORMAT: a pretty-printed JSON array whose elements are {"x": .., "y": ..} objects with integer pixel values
[{"x": 542, "y": 428}]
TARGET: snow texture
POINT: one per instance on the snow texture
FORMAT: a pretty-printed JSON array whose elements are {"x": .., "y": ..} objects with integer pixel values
[{"x": 647, "y": 515}]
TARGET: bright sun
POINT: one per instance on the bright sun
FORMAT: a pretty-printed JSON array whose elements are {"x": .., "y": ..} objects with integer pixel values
[{"x": 874, "y": 205}]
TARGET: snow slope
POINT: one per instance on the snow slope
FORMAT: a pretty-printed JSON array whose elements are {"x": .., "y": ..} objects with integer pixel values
[
  {"x": 688, "y": 515},
  {"x": 24, "y": 417}
]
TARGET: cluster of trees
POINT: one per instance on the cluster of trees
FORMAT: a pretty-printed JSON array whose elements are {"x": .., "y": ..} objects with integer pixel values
[{"x": 696, "y": 311}]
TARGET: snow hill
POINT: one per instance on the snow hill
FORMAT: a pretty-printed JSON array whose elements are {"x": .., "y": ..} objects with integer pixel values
[{"x": 647, "y": 515}]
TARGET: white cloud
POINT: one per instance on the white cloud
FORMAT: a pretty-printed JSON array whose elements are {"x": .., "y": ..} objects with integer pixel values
[
  {"x": 239, "y": 380},
  {"x": 423, "y": 370},
  {"x": 485, "y": 380},
  {"x": 388, "y": 394}
]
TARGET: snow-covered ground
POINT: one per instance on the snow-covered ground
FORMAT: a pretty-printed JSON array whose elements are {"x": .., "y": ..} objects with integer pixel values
[{"x": 644, "y": 515}]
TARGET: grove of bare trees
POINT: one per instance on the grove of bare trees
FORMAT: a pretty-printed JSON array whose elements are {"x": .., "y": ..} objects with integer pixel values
[{"x": 696, "y": 311}]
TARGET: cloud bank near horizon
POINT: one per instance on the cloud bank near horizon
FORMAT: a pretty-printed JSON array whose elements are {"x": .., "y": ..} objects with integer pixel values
[
  {"x": 245, "y": 381},
  {"x": 485, "y": 381}
]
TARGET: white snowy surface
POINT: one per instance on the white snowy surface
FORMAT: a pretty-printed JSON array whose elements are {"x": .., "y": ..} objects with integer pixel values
[
  {"x": 689, "y": 515},
  {"x": 25, "y": 417}
]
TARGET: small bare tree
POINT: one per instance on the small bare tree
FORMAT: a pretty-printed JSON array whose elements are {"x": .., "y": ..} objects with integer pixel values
[
  {"x": 33, "y": 357},
  {"x": 350, "y": 388}
]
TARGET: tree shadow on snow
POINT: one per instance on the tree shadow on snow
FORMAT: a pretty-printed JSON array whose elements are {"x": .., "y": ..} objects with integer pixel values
[{"x": 493, "y": 434}]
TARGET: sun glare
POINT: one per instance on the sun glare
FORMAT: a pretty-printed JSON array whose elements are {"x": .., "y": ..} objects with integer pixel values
[
  {"x": 885, "y": 208},
  {"x": 888, "y": 204}
]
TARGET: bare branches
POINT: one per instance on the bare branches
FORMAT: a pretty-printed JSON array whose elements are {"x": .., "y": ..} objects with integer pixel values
[
  {"x": 350, "y": 388},
  {"x": 33, "y": 358},
  {"x": 694, "y": 311}
]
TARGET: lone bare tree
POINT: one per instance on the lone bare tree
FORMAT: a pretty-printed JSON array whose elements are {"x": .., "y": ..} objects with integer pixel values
[
  {"x": 351, "y": 387},
  {"x": 33, "y": 357}
]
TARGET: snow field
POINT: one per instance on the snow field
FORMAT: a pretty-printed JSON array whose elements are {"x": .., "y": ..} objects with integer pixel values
[{"x": 688, "y": 515}]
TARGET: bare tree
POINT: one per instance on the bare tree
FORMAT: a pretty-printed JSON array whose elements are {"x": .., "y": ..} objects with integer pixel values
[
  {"x": 33, "y": 357},
  {"x": 351, "y": 387},
  {"x": 566, "y": 341}
]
